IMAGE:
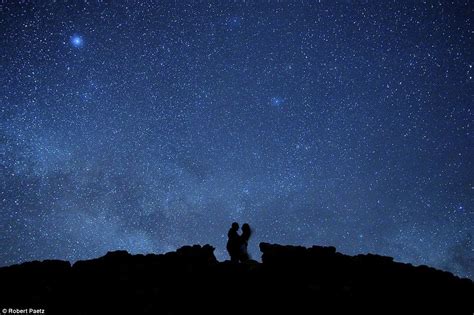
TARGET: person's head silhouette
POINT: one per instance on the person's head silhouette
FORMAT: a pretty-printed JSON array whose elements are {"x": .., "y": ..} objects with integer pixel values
[{"x": 235, "y": 226}]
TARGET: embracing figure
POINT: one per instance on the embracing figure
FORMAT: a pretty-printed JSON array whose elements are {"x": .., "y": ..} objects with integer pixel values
[{"x": 237, "y": 243}]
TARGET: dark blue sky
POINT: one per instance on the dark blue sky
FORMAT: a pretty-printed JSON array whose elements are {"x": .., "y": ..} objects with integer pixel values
[{"x": 146, "y": 126}]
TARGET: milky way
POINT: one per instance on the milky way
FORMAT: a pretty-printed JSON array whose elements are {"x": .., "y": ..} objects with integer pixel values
[{"x": 146, "y": 126}]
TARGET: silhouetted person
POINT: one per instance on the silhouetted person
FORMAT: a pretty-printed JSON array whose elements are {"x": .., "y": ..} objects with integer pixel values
[
  {"x": 234, "y": 242},
  {"x": 244, "y": 241}
]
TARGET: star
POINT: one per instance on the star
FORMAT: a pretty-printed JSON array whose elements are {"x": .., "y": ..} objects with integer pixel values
[
  {"x": 77, "y": 41},
  {"x": 234, "y": 22},
  {"x": 277, "y": 101}
]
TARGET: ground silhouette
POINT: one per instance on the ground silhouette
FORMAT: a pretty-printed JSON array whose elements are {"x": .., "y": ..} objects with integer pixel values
[{"x": 290, "y": 280}]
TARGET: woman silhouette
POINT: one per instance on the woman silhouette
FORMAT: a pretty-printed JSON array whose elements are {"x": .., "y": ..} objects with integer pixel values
[{"x": 244, "y": 241}]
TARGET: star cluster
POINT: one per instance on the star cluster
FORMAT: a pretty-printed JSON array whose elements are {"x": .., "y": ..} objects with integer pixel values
[{"x": 146, "y": 126}]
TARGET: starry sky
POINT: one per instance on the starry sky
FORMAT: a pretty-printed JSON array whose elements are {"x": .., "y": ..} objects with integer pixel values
[{"x": 148, "y": 125}]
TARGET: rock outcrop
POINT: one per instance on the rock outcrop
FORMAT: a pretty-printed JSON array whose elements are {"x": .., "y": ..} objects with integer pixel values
[{"x": 290, "y": 279}]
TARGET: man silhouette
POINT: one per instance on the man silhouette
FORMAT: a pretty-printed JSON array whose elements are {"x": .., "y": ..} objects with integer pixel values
[{"x": 233, "y": 242}]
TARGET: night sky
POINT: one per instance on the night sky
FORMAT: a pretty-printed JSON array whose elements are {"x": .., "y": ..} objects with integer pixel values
[{"x": 146, "y": 126}]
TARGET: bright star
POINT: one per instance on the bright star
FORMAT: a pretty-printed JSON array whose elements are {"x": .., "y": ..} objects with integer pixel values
[{"x": 77, "y": 41}]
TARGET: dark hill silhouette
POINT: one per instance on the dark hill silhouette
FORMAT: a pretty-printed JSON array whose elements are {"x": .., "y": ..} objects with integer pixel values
[{"x": 290, "y": 279}]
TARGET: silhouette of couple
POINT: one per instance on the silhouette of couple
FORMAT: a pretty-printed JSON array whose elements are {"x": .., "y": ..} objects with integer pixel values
[{"x": 237, "y": 244}]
